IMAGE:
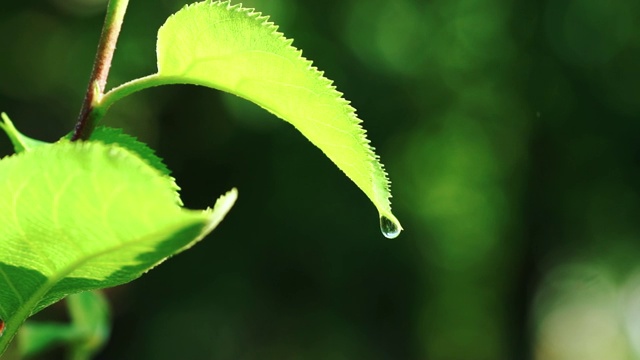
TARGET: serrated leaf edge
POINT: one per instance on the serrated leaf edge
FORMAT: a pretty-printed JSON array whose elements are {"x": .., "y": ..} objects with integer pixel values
[{"x": 374, "y": 159}]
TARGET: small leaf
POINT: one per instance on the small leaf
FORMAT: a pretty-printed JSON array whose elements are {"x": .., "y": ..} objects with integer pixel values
[
  {"x": 85, "y": 335},
  {"x": 84, "y": 216},
  {"x": 20, "y": 141},
  {"x": 89, "y": 312},
  {"x": 36, "y": 338},
  {"x": 237, "y": 50},
  {"x": 109, "y": 135}
]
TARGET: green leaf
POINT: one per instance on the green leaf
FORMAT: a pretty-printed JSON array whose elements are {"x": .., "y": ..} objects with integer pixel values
[
  {"x": 83, "y": 216},
  {"x": 89, "y": 312},
  {"x": 237, "y": 50},
  {"x": 36, "y": 337},
  {"x": 20, "y": 141},
  {"x": 110, "y": 135},
  {"x": 85, "y": 335}
]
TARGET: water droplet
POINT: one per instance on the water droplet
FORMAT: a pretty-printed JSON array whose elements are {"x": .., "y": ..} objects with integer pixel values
[{"x": 390, "y": 229}]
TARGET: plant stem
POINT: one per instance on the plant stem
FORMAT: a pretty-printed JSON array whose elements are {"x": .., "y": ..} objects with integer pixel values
[{"x": 89, "y": 117}]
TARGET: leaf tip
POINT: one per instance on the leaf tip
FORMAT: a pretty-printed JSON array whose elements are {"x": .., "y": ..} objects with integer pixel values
[
  {"x": 221, "y": 208},
  {"x": 20, "y": 141}
]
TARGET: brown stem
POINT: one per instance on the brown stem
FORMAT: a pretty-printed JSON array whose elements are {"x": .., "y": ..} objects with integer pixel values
[{"x": 88, "y": 117}]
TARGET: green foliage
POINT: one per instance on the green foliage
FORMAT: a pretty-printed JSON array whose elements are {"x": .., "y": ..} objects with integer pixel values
[
  {"x": 81, "y": 216},
  {"x": 109, "y": 135},
  {"x": 88, "y": 331},
  {"x": 237, "y": 50},
  {"x": 84, "y": 216}
]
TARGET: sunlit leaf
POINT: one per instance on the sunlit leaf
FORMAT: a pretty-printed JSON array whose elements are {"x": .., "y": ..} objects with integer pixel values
[
  {"x": 110, "y": 135},
  {"x": 237, "y": 50},
  {"x": 83, "y": 216}
]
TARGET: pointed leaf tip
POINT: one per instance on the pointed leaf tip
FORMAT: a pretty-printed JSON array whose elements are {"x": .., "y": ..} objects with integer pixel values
[{"x": 20, "y": 141}]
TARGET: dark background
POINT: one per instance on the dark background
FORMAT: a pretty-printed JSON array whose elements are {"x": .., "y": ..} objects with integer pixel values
[{"x": 510, "y": 132}]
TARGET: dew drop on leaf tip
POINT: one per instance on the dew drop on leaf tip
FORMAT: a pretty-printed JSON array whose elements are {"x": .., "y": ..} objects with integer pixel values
[{"x": 390, "y": 229}]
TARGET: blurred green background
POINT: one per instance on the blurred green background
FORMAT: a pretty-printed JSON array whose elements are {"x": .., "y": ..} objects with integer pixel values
[{"x": 510, "y": 130}]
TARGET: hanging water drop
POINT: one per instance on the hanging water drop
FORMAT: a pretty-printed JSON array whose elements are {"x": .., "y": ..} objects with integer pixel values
[{"x": 390, "y": 228}]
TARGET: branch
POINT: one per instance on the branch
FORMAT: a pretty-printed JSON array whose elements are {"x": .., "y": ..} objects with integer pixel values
[{"x": 88, "y": 117}]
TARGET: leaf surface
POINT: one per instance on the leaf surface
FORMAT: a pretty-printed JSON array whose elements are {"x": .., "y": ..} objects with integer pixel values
[
  {"x": 237, "y": 50},
  {"x": 83, "y": 216},
  {"x": 110, "y": 135}
]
